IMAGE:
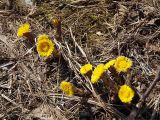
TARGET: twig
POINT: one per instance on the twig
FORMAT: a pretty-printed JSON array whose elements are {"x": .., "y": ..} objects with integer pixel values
[
  {"x": 135, "y": 112},
  {"x": 5, "y": 86},
  {"x": 8, "y": 99},
  {"x": 76, "y": 44},
  {"x": 2, "y": 66}
]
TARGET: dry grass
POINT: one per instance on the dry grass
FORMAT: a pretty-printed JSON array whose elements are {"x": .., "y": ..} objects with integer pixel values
[{"x": 91, "y": 32}]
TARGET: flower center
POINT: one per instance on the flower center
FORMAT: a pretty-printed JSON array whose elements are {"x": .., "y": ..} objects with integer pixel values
[
  {"x": 123, "y": 64},
  {"x": 126, "y": 94},
  {"x": 66, "y": 88},
  {"x": 45, "y": 47}
]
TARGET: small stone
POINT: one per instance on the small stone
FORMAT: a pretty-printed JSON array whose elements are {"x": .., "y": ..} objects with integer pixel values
[
  {"x": 29, "y": 2},
  {"x": 99, "y": 33}
]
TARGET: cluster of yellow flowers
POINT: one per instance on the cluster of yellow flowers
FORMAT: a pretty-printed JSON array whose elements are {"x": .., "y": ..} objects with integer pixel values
[
  {"x": 120, "y": 64},
  {"x": 45, "y": 46}
]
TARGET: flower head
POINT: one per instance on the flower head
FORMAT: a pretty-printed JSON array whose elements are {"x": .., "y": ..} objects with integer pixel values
[
  {"x": 122, "y": 64},
  {"x": 45, "y": 46},
  {"x": 56, "y": 21},
  {"x": 97, "y": 73},
  {"x": 67, "y": 88},
  {"x": 125, "y": 94},
  {"x": 24, "y": 28},
  {"x": 109, "y": 64},
  {"x": 86, "y": 68}
]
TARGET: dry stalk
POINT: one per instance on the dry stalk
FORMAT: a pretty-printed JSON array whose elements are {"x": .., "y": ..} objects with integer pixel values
[{"x": 57, "y": 24}]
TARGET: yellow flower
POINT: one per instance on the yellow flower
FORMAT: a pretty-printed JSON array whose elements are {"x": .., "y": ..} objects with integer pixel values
[
  {"x": 122, "y": 64},
  {"x": 97, "y": 73},
  {"x": 109, "y": 64},
  {"x": 86, "y": 68},
  {"x": 56, "y": 22},
  {"x": 45, "y": 46},
  {"x": 125, "y": 94},
  {"x": 67, "y": 88},
  {"x": 24, "y": 28}
]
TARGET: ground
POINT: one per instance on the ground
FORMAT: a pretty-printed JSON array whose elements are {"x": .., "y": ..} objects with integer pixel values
[{"x": 93, "y": 31}]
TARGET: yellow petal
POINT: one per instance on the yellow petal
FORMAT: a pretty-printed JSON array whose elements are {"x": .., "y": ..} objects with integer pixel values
[
  {"x": 109, "y": 64},
  {"x": 24, "y": 28},
  {"x": 85, "y": 69},
  {"x": 97, "y": 73}
]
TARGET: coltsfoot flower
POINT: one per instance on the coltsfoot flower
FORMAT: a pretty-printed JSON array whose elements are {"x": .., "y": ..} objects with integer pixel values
[
  {"x": 97, "y": 73},
  {"x": 45, "y": 46},
  {"x": 109, "y": 64},
  {"x": 24, "y": 28},
  {"x": 85, "y": 68},
  {"x": 122, "y": 64},
  {"x": 125, "y": 94},
  {"x": 67, "y": 88},
  {"x": 55, "y": 21}
]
